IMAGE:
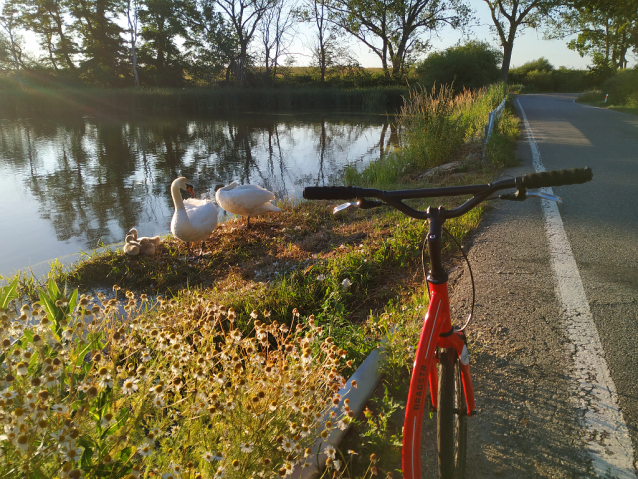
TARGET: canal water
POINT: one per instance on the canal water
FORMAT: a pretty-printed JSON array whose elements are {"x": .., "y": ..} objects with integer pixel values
[{"x": 71, "y": 185}]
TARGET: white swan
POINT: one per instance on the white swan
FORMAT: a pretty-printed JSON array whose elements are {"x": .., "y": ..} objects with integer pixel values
[
  {"x": 194, "y": 219},
  {"x": 245, "y": 200},
  {"x": 131, "y": 247}
]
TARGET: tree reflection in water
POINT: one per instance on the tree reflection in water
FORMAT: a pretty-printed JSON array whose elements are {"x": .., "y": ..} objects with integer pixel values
[{"x": 93, "y": 179}]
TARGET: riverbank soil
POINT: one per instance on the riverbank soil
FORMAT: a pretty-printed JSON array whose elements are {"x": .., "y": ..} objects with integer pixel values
[{"x": 527, "y": 424}]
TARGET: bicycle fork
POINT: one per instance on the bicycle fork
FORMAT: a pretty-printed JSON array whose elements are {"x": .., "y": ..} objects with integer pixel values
[{"x": 437, "y": 332}]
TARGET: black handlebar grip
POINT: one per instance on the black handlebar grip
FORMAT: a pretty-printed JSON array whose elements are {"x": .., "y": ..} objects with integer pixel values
[
  {"x": 572, "y": 176},
  {"x": 330, "y": 192}
]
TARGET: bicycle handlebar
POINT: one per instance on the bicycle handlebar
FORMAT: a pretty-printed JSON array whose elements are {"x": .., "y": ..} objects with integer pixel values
[
  {"x": 573, "y": 176},
  {"x": 479, "y": 192}
]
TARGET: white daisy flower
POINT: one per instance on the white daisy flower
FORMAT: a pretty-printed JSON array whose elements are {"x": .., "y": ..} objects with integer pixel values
[
  {"x": 145, "y": 450},
  {"x": 50, "y": 381},
  {"x": 107, "y": 420},
  {"x": 208, "y": 456},
  {"x": 246, "y": 447},
  {"x": 74, "y": 454},
  {"x": 330, "y": 451},
  {"x": 8, "y": 395},
  {"x": 218, "y": 456},
  {"x": 129, "y": 386},
  {"x": 219, "y": 473},
  {"x": 59, "y": 408},
  {"x": 22, "y": 443},
  {"x": 105, "y": 381},
  {"x": 288, "y": 444}
]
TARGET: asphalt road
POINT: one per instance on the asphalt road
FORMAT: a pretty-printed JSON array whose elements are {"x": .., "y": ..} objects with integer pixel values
[
  {"x": 601, "y": 222},
  {"x": 530, "y": 423}
]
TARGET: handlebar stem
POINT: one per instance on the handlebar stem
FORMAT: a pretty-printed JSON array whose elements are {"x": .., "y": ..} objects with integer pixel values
[{"x": 437, "y": 273}]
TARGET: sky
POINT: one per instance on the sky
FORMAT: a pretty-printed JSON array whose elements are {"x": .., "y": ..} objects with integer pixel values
[{"x": 528, "y": 46}]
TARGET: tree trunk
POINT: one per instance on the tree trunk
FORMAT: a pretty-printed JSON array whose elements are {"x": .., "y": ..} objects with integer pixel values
[
  {"x": 133, "y": 26},
  {"x": 322, "y": 62},
  {"x": 64, "y": 42},
  {"x": 241, "y": 70},
  {"x": 507, "y": 58}
]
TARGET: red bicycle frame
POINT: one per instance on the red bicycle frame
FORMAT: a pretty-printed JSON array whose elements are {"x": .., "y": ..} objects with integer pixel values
[{"x": 437, "y": 321}]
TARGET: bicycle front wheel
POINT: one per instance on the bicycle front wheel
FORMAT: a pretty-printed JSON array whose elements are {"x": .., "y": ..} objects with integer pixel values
[{"x": 451, "y": 417}]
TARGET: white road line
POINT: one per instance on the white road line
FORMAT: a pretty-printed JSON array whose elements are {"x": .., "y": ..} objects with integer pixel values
[{"x": 608, "y": 441}]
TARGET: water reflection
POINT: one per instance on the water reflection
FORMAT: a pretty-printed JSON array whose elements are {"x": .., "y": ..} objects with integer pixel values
[{"x": 73, "y": 184}]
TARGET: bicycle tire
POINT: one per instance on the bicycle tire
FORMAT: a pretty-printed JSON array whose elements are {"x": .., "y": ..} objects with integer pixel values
[{"x": 451, "y": 417}]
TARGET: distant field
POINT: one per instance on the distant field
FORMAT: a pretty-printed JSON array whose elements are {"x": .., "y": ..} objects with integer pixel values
[{"x": 310, "y": 70}]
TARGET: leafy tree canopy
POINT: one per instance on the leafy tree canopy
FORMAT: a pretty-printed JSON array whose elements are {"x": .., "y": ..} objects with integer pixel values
[{"x": 472, "y": 65}]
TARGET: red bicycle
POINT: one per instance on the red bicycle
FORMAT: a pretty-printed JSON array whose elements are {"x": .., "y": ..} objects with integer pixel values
[{"x": 442, "y": 342}]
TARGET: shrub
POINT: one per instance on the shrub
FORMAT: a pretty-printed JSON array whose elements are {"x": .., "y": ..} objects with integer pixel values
[
  {"x": 540, "y": 65},
  {"x": 469, "y": 66},
  {"x": 621, "y": 86},
  {"x": 540, "y": 76}
]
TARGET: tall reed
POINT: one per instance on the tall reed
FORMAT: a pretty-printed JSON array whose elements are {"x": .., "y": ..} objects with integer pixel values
[{"x": 434, "y": 127}]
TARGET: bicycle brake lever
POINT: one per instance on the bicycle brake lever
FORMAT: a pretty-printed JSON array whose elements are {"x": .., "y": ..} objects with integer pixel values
[
  {"x": 523, "y": 194},
  {"x": 336, "y": 209},
  {"x": 361, "y": 203},
  {"x": 545, "y": 196}
]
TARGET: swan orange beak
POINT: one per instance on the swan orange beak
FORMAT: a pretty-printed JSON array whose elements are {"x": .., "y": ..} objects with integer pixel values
[{"x": 189, "y": 188}]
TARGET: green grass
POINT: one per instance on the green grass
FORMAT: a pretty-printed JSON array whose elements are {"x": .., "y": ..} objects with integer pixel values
[
  {"x": 359, "y": 272},
  {"x": 597, "y": 98}
]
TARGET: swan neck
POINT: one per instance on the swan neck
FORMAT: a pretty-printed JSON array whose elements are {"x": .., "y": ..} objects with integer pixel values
[{"x": 177, "y": 197}]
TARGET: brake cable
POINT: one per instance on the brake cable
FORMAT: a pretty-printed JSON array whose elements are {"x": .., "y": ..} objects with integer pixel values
[{"x": 469, "y": 266}]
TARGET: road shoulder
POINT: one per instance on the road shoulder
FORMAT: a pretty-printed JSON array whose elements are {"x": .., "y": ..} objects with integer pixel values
[{"x": 527, "y": 424}]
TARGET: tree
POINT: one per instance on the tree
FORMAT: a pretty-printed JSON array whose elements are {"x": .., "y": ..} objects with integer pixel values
[
  {"x": 9, "y": 22},
  {"x": 103, "y": 47},
  {"x": 391, "y": 28},
  {"x": 472, "y": 65},
  {"x": 277, "y": 34},
  {"x": 163, "y": 22},
  {"x": 47, "y": 19},
  {"x": 211, "y": 42},
  {"x": 603, "y": 32},
  {"x": 132, "y": 15},
  {"x": 511, "y": 17},
  {"x": 244, "y": 17},
  {"x": 327, "y": 50}
]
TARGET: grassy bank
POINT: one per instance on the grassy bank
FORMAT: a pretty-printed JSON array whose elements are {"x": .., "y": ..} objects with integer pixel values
[
  {"x": 439, "y": 127},
  {"x": 229, "y": 370},
  {"x": 618, "y": 92},
  {"x": 227, "y": 100},
  {"x": 597, "y": 98}
]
